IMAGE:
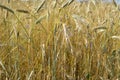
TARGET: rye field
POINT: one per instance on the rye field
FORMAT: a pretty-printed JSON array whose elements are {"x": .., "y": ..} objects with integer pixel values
[{"x": 59, "y": 40}]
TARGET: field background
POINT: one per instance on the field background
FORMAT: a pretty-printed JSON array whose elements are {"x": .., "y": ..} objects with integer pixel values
[{"x": 59, "y": 40}]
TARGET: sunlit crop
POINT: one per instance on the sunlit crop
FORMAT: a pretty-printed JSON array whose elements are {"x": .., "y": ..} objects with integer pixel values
[{"x": 59, "y": 40}]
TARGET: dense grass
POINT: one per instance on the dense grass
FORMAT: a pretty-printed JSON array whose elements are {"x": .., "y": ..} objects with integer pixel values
[{"x": 51, "y": 40}]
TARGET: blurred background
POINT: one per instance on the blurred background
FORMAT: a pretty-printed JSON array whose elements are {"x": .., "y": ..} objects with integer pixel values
[{"x": 117, "y": 1}]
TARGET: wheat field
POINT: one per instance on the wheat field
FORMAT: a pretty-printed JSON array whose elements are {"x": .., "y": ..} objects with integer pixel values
[{"x": 59, "y": 40}]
